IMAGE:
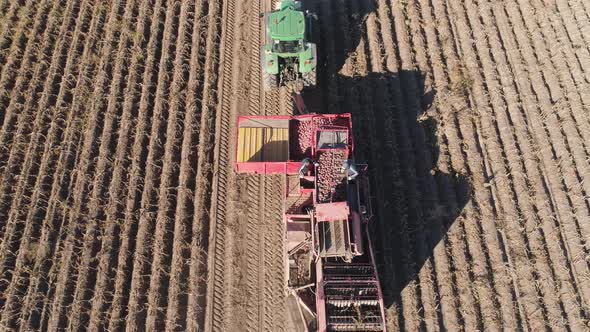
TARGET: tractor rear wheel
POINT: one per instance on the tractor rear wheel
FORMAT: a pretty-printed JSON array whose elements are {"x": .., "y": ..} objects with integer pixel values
[
  {"x": 270, "y": 81},
  {"x": 309, "y": 79}
]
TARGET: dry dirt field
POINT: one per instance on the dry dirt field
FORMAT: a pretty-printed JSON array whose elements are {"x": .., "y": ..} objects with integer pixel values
[
  {"x": 107, "y": 111},
  {"x": 119, "y": 207}
]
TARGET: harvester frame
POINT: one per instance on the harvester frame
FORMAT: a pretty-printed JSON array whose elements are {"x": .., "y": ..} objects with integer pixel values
[{"x": 332, "y": 282}]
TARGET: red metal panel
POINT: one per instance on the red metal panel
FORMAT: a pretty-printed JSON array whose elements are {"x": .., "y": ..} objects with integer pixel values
[
  {"x": 332, "y": 211},
  {"x": 372, "y": 255},
  {"x": 261, "y": 167},
  {"x": 320, "y": 303},
  {"x": 267, "y": 168}
]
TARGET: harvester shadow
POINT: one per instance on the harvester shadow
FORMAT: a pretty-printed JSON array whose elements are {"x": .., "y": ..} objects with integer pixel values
[{"x": 395, "y": 128}]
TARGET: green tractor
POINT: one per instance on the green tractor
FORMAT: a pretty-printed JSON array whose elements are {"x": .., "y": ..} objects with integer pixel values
[{"x": 287, "y": 58}]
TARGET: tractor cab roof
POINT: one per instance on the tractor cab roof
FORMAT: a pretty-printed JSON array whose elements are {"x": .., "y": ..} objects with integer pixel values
[{"x": 286, "y": 25}]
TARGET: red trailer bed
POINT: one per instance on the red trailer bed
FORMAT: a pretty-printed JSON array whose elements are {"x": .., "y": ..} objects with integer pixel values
[{"x": 277, "y": 144}]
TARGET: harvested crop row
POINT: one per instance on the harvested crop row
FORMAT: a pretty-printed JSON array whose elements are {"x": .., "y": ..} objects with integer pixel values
[
  {"x": 78, "y": 214},
  {"x": 48, "y": 210},
  {"x": 144, "y": 250},
  {"x": 201, "y": 218},
  {"x": 82, "y": 72},
  {"x": 27, "y": 194}
]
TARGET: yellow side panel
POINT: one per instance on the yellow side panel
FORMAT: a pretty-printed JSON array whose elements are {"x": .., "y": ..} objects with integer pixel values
[
  {"x": 251, "y": 139},
  {"x": 259, "y": 143},
  {"x": 247, "y": 144},
  {"x": 276, "y": 144},
  {"x": 241, "y": 134},
  {"x": 263, "y": 144},
  {"x": 270, "y": 149},
  {"x": 284, "y": 144},
  {"x": 252, "y": 148}
]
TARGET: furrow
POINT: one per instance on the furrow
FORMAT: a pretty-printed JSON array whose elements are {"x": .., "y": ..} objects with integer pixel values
[
  {"x": 28, "y": 193},
  {"x": 48, "y": 209},
  {"x": 176, "y": 315},
  {"x": 139, "y": 304},
  {"x": 551, "y": 141},
  {"x": 95, "y": 232},
  {"x": 127, "y": 243},
  {"x": 107, "y": 254},
  {"x": 15, "y": 77},
  {"x": 77, "y": 217},
  {"x": 168, "y": 192}
]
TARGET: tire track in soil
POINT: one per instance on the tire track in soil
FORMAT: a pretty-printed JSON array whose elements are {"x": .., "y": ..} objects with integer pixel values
[
  {"x": 262, "y": 277},
  {"x": 220, "y": 241},
  {"x": 524, "y": 262},
  {"x": 259, "y": 273},
  {"x": 272, "y": 229},
  {"x": 251, "y": 286}
]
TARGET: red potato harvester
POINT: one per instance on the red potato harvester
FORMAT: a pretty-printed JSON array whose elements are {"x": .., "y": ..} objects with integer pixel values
[{"x": 332, "y": 279}]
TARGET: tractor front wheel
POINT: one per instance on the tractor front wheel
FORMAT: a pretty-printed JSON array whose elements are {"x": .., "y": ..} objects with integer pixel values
[
  {"x": 270, "y": 81},
  {"x": 309, "y": 79}
]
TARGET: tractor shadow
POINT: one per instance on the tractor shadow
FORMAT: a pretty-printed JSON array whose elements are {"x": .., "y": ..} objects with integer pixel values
[{"x": 395, "y": 127}]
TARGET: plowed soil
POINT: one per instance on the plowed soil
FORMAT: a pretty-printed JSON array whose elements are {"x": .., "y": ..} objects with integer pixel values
[
  {"x": 107, "y": 112},
  {"x": 120, "y": 208}
]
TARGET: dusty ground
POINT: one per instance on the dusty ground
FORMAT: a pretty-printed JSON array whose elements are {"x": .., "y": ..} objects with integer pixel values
[{"x": 116, "y": 140}]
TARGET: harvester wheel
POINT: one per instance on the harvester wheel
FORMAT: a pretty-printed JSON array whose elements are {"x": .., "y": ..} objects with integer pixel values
[
  {"x": 309, "y": 79},
  {"x": 270, "y": 81}
]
